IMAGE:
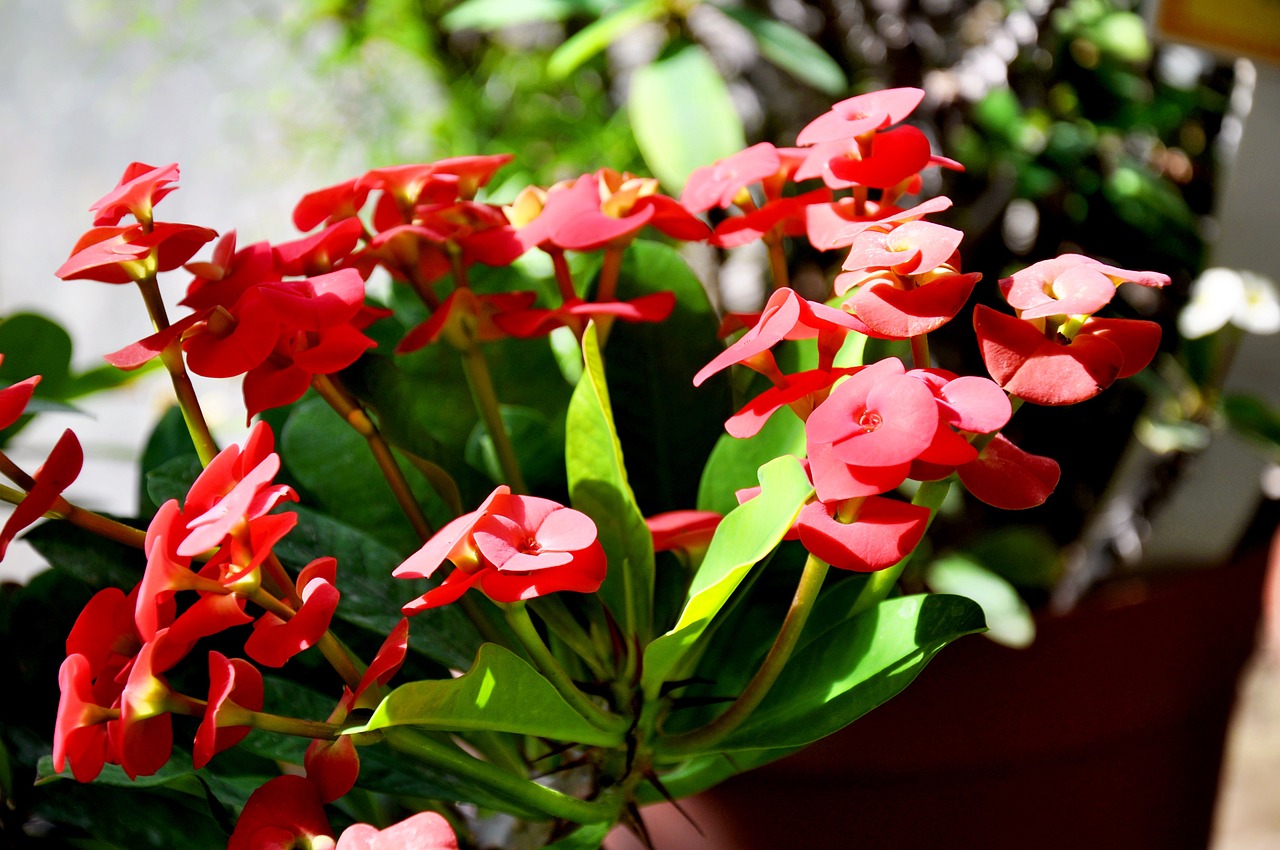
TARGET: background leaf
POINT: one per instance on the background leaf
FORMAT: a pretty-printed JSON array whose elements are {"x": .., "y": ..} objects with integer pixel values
[
  {"x": 682, "y": 114},
  {"x": 792, "y": 51}
]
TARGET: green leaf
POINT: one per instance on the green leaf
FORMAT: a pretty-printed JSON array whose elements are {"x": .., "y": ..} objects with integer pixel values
[
  {"x": 599, "y": 488},
  {"x": 1008, "y": 617},
  {"x": 499, "y": 14},
  {"x": 500, "y": 693},
  {"x": 538, "y": 444},
  {"x": 34, "y": 345},
  {"x": 792, "y": 51},
  {"x": 599, "y": 34},
  {"x": 173, "y": 478},
  {"x": 661, "y": 416},
  {"x": 371, "y": 598},
  {"x": 733, "y": 462},
  {"x": 168, "y": 440},
  {"x": 853, "y": 667},
  {"x": 682, "y": 114},
  {"x": 83, "y": 554},
  {"x": 744, "y": 537}
]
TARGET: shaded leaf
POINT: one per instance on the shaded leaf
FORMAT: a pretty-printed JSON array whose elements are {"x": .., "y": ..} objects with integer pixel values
[{"x": 792, "y": 51}]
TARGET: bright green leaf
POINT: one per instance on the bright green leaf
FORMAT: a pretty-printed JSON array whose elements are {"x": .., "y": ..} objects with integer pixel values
[
  {"x": 682, "y": 114},
  {"x": 744, "y": 537},
  {"x": 599, "y": 488},
  {"x": 733, "y": 462},
  {"x": 599, "y": 34},
  {"x": 500, "y": 693},
  {"x": 792, "y": 51},
  {"x": 587, "y": 837}
]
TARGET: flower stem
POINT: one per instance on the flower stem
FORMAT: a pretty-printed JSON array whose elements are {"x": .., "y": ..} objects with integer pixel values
[
  {"x": 64, "y": 510},
  {"x": 527, "y": 794},
  {"x": 354, "y": 415},
  {"x": 518, "y": 618},
  {"x": 815, "y": 571},
  {"x": 777, "y": 259},
  {"x": 171, "y": 357},
  {"x": 485, "y": 397},
  {"x": 607, "y": 288},
  {"x": 920, "y": 351}
]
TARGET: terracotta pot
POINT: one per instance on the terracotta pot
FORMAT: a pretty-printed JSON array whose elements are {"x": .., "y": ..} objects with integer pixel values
[{"x": 1107, "y": 732}]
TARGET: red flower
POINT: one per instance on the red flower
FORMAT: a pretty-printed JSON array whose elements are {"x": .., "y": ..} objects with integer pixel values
[
  {"x": 837, "y": 224},
  {"x": 55, "y": 475},
  {"x": 786, "y": 316},
  {"x": 284, "y": 814},
  {"x": 861, "y": 114},
  {"x": 232, "y": 681},
  {"x": 513, "y": 547},
  {"x": 534, "y": 322},
  {"x": 876, "y": 534},
  {"x": 80, "y": 735},
  {"x": 140, "y": 188},
  {"x": 330, "y": 204},
  {"x": 722, "y": 183},
  {"x": 467, "y": 317},
  {"x": 608, "y": 208},
  {"x": 1053, "y": 370},
  {"x": 1004, "y": 476},
  {"x": 683, "y": 530},
  {"x": 317, "y": 254},
  {"x": 893, "y": 308},
  {"x": 423, "y": 831},
  {"x": 14, "y": 399},
  {"x": 274, "y": 641},
  {"x": 124, "y": 254}
]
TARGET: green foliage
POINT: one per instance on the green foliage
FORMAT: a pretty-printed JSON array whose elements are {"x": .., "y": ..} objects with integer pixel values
[
  {"x": 498, "y": 693},
  {"x": 599, "y": 488}
]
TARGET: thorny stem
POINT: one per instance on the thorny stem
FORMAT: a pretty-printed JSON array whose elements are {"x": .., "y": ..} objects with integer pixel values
[
  {"x": 485, "y": 397},
  {"x": 518, "y": 618},
  {"x": 354, "y": 415},
  {"x": 171, "y": 357},
  {"x": 815, "y": 571}
]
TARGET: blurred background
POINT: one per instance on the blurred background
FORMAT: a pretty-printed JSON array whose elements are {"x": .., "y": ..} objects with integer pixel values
[{"x": 1078, "y": 130}]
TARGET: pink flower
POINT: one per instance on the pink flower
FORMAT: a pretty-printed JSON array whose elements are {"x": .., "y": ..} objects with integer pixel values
[
  {"x": 721, "y": 184},
  {"x": 862, "y": 114},
  {"x": 423, "y": 831},
  {"x": 513, "y": 547},
  {"x": 1069, "y": 284}
]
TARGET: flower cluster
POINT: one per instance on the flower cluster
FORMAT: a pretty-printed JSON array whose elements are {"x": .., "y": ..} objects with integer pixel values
[{"x": 583, "y": 644}]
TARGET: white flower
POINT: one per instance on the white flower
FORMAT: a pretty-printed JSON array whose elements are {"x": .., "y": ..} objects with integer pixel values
[{"x": 1245, "y": 299}]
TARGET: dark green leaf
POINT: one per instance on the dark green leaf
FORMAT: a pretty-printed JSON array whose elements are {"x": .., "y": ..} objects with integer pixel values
[
  {"x": 83, "y": 554},
  {"x": 853, "y": 667},
  {"x": 1252, "y": 417},
  {"x": 371, "y": 598},
  {"x": 173, "y": 478},
  {"x": 662, "y": 418}
]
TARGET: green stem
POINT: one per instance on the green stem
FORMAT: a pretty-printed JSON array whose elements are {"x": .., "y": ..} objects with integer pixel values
[
  {"x": 485, "y": 397},
  {"x": 815, "y": 571},
  {"x": 77, "y": 516},
  {"x": 171, "y": 357},
  {"x": 562, "y": 624},
  {"x": 354, "y": 415},
  {"x": 235, "y": 715},
  {"x": 527, "y": 794},
  {"x": 518, "y": 618},
  {"x": 920, "y": 351}
]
